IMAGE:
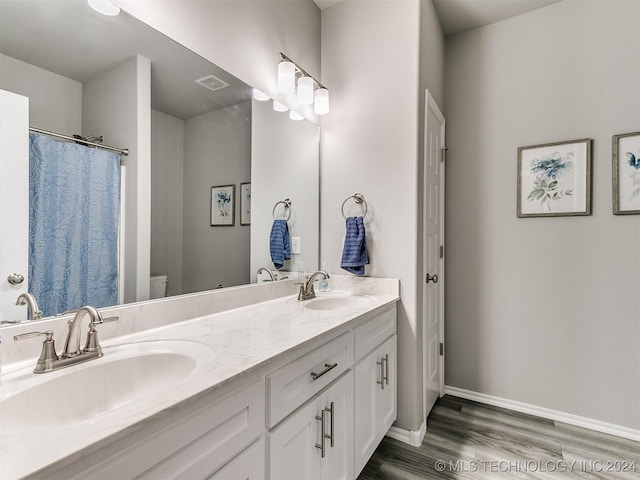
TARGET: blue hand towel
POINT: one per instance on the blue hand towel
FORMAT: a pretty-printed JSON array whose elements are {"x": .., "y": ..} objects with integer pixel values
[
  {"x": 354, "y": 254},
  {"x": 279, "y": 243}
]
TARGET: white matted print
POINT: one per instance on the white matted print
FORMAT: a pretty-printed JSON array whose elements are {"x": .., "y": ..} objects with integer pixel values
[
  {"x": 626, "y": 173},
  {"x": 554, "y": 179},
  {"x": 223, "y": 200}
]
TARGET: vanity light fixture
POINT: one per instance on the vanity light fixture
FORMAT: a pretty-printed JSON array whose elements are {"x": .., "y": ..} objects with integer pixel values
[
  {"x": 293, "y": 115},
  {"x": 309, "y": 90},
  {"x": 260, "y": 96},
  {"x": 279, "y": 107},
  {"x": 105, "y": 7}
]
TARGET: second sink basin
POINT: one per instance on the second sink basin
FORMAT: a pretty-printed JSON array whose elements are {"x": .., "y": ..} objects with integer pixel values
[
  {"x": 126, "y": 373},
  {"x": 336, "y": 302}
]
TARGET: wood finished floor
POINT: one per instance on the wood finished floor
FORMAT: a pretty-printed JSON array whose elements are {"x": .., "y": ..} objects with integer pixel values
[{"x": 478, "y": 441}]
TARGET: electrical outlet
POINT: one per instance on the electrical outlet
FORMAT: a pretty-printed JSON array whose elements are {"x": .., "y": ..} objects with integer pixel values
[{"x": 296, "y": 245}]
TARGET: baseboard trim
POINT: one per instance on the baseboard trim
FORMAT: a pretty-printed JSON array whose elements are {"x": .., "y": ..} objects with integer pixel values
[
  {"x": 412, "y": 437},
  {"x": 585, "y": 422}
]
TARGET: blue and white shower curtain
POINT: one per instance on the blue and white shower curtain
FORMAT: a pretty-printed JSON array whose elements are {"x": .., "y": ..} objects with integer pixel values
[{"x": 74, "y": 209}]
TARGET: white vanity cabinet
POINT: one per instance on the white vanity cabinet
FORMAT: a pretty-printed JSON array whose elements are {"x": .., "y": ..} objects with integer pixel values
[
  {"x": 375, "y": 387},
  {"x": 315, "y": 442},
  {"x": 316, "y": 411}
]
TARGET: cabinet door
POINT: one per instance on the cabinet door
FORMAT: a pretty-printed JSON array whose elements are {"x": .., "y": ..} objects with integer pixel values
[
  {"x": 386, "y": 401},
  {"x": 367, "y": 375},
  {"x": 375, "y": 406},
  {"x": 292, "y": 445},
  {"x": 337, "y": 401},
  {"x": 248, "y": 465}
]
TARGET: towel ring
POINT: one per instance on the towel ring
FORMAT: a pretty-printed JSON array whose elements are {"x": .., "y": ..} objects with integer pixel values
[
  {"x": 287, "y": 205},
  {"x": 357, "y": 198}
]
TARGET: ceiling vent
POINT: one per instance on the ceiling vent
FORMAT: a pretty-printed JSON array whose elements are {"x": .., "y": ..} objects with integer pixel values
[{"x": 212, "y": 83}]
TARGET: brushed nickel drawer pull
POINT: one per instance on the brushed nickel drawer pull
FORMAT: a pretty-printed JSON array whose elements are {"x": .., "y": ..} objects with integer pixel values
[{"x": 326, "y": 369}]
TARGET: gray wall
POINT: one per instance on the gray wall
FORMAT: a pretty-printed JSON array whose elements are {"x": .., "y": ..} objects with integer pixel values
[
  {"x": 167, "y": 162},
  {"x": 544, "y": 311},
  {"x": 369, "y": 144},
  {"x": 55, "y": 102},
  {"x": 124, "y": 92},
  {"x": 217, "y": 151}
]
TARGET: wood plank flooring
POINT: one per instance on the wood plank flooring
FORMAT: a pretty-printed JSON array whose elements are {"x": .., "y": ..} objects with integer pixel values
[{"x": 470, "y": 440}]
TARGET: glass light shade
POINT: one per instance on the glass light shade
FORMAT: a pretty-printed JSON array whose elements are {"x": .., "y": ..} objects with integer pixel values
[
  {"x": 305, "y": 91},
  {"x": 105, "y": 7},
  {"x": 321, "y": 102},
  {"x": 295, "y": 115},
  {"x": 286, "y": 77},
  {"x": 279, "y": 107},
  {"x": 260, "y": 96}
]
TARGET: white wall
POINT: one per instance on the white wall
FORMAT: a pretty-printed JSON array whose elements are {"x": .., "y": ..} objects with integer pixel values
[
  {"x": 243, "y": 37},
  {"x": 167, "y": 190},
  {"x": 217, "y": 151},
  {"x": 369, "y": 144},
  {"x": 285, "y": 163},
  {"x": 124, "y": 92},
  {"x": 544, "y": 311},
  {"x": 55, "y": 102}
]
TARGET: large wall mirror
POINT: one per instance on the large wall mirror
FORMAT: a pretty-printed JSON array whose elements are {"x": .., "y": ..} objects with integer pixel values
[{"x": 189, "y": 126}]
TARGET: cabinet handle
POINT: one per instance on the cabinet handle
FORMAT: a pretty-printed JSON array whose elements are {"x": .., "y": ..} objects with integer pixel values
[
  {"x": 331, "y": 411},
  {"x": 386, "y": 369},
  {"x": 381, "y": 381},
  {"x": 322, "y": 434},
  {"x": 326, "y": 369}
]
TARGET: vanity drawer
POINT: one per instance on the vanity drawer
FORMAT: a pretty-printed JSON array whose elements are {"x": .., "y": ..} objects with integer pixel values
[
  {"x": 374, "y": 332},
  {"x": 292, "y": 385}
]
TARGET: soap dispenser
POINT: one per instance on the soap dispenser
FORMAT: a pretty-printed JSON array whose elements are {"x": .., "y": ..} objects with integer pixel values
[{"x": 323, "y": 284}]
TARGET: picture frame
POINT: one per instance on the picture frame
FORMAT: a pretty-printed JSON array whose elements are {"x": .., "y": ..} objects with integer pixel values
[
  {"x": 223, "y": 198},
  {"x": 625, "y": 157},
  {"x": 554, "y": 179},
  {"x": 245, "y": 203}
]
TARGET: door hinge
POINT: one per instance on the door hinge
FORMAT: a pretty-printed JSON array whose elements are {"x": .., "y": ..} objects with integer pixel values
[
  {"x": 441, "y": 348},
  {"x": 441, "y": 251},
  {"x": 443, "y": 157}
]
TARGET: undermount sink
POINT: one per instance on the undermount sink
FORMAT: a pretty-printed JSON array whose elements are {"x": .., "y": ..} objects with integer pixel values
[
  {"x": 337, "y": 302},
  {"x": 126, "y": 373}
]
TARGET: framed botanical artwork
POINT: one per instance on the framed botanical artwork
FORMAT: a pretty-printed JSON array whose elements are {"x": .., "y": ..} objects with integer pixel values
[
  {"x": 223, "y": 208},
  {"x": 626, "y": 173},
  {"x": 554, "y": 179},
  {"x": 245, "y": 203}
]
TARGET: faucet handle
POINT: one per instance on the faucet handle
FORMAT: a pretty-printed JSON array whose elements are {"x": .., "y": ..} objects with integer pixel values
[
  {"x": 92, "y": 344},
  {"x": 24, "y": 336},
  {"x": 48, "y": 354}
]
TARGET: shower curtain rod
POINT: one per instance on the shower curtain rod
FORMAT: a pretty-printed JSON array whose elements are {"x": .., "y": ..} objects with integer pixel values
[{"x": 121, "y": 151}]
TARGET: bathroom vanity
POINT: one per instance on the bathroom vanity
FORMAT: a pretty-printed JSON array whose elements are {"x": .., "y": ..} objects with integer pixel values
[{"x": 276, "y": 388}]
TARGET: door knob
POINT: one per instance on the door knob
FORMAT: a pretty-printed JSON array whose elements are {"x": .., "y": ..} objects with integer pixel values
[
  {"x": 432, "y": 278},
  {"x": 15, "y": 278}
]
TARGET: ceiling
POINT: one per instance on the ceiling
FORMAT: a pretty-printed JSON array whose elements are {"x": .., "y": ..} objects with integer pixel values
[
  {"x": 457, "y": 16},
  {"x": 70, "y": 39}
]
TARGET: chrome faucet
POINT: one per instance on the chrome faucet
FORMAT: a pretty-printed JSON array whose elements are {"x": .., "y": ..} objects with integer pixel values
[
  {"x": 306, "y": 289},
  {"x": 269, "y": 272},
  {"x": 28, "y": 299},
  {"x": 49, "y": 360}
]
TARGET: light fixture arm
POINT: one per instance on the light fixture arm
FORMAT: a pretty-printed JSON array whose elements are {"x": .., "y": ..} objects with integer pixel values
[{"x": 301, "y": 70}]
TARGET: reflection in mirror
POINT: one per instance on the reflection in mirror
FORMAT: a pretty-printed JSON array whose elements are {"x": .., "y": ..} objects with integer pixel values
[
  {"x": 118, "y": 78},
  {"x": 284, "y": 165}
]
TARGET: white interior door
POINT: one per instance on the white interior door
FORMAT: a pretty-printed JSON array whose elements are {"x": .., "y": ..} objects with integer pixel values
[
  {"x": 433, "y": 251},
  {"x": 14, "y": 202}
]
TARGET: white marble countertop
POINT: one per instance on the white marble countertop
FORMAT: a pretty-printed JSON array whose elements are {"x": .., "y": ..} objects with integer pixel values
[{"x": 239, "y": 341}]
